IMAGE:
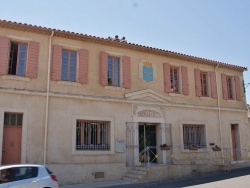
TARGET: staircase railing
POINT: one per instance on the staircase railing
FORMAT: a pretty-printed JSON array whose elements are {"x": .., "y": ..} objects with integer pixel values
[{"x": 179, "y": 156}]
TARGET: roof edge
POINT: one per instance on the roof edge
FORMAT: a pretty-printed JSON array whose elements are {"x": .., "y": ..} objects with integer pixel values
[{"x": 90, "y": 38}]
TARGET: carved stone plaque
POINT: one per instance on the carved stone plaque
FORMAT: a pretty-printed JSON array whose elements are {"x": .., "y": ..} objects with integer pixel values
[{"x": 149, "y": 114}]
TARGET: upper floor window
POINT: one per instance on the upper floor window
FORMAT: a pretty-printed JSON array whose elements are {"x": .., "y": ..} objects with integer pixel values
[
  {"x": 113, "y": 71},
  {"x": 17, "y": 59},
  {"x": 231, "y": 87},
  {"x": 68, "y": 65},
  {"x": 174, "y": 79},
  {"x": 204, "y": 84}
]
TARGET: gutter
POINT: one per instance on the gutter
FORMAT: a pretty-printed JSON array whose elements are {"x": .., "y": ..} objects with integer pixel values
[
  {"x": 219, "y": 112},
  {"x": 47, "y": 102}
]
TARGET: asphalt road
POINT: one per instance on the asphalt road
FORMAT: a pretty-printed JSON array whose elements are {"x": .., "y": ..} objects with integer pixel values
[{"x": 239, "y": 178}]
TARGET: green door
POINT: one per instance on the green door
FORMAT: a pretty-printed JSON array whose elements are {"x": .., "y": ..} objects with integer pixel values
[{"x": 147, "y": 137}]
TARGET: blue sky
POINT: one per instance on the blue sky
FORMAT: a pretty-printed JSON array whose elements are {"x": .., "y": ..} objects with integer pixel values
[{"x": 212, "y": 29}]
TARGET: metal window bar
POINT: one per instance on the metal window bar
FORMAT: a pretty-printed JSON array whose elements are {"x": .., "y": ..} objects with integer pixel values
[
  {"x": 13, "y": 119},
  {"x": 92, "y": 135},
  {"x": 193, "y": 135}
]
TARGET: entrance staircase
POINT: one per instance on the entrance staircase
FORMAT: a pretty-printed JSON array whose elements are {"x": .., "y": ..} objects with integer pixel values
[{"x": 136, "y": 174}]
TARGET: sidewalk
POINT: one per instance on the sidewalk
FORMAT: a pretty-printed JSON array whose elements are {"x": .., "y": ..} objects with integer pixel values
[{"x": 98, "y": 184}]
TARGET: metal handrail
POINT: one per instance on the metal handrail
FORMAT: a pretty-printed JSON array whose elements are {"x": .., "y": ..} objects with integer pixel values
[{"x": 177, "y": 155}]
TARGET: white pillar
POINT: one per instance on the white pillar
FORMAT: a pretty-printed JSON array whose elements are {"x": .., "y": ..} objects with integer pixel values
[
  {"x": 136, "y": 143},
  {"x": 163, "y": 141}
]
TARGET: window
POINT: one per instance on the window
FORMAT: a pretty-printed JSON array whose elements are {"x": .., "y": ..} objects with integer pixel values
[
  {"x": 174, "y": 79},
  {"x": 68, "y": 65},
  {"x": 113, "y": 71},
  {"x": 13, "y": 119},
  {"x": 92, "y": 135},
  {"x": 229, "y": 87},
  {"x": 194, "y": 135},
  {"x": 17, "y": 59},
  {"x": 204, "y": 84}
]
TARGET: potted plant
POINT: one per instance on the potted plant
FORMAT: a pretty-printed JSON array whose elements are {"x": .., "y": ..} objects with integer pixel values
[
  {"x": 165, "y": 147},
  {"x": 193, "y": 148},
  {"x": 216, "y": 148}
]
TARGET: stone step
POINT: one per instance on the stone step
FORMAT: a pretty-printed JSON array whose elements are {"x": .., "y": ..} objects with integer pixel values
[
  {"x": 135, "y": 174},
  {"x": 140, "y": 168},
  {"x": 140, "y": 172}
]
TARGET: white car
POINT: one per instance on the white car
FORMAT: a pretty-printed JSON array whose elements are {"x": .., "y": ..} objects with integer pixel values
[{"x": 27, "y": 176}]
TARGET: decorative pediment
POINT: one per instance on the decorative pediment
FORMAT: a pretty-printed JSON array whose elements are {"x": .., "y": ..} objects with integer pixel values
[{"x": 147, "y": 95}]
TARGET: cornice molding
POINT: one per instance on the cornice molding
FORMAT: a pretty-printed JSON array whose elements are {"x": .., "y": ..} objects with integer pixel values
[{"x": 109, "y": 99}]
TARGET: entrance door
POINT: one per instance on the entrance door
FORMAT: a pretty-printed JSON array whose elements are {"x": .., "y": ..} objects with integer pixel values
[
  {"x": 147, "y": 137},
  {"x": 12, "y": 136},
  {"x": 234, "y": 142}
]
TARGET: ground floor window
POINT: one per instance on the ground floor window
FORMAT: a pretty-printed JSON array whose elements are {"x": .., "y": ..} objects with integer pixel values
[
  {"x": 194, "y": 135},
  {"x": 92, "y": 135}
]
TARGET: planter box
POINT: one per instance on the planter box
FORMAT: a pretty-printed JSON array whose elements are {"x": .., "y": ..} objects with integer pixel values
[
  {"x": 192, "y": 148},
  {"x": 216, "y": 149},
  {"x": 165, "y": 148}
]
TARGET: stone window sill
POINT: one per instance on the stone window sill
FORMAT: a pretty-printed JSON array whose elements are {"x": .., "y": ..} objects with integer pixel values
[
  {"x": 15, "y": 77},
  {"x": 114, "y": 88},
  {"x": 67, "y": 83}
]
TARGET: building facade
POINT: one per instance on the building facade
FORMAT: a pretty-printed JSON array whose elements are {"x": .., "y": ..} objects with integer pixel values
[{"x": 87, "y": 106}]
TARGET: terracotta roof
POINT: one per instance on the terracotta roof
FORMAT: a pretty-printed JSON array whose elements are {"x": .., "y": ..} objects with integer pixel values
[{"x": 117, "y": 43}]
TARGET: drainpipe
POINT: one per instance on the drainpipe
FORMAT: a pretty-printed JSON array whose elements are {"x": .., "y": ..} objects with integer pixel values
[
  {"x": 219, "y": 112},
  {"x": 47, "y": 103}
]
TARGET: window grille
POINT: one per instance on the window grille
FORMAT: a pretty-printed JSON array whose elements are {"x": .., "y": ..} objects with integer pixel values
[
  {"x": 13, "y": 119},
  {"x": 194, "y": 135},
  {"x": 92, "y": 135}
]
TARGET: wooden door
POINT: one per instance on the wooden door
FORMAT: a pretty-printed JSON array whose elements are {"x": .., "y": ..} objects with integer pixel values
[
  {"x": 12, "y": 145},
  {"x": 234, "y": 142},
  {"x": 12, "y": 138}
]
